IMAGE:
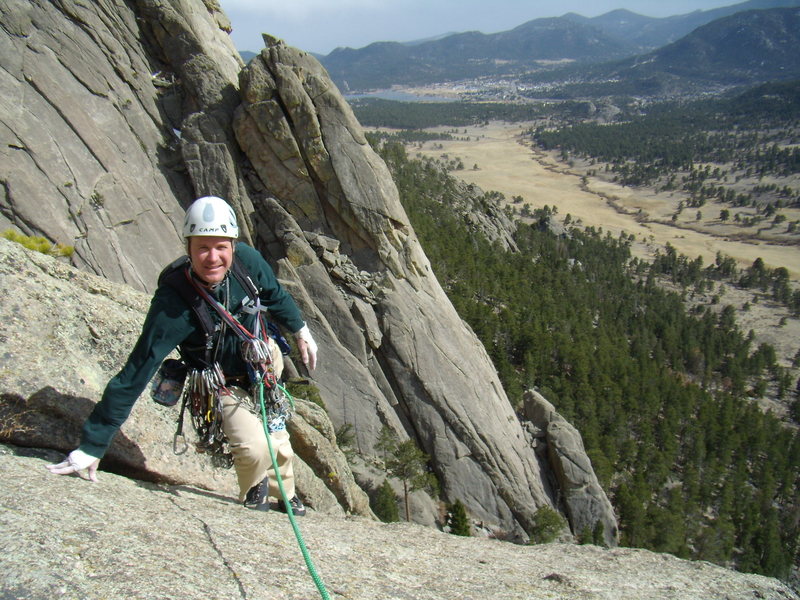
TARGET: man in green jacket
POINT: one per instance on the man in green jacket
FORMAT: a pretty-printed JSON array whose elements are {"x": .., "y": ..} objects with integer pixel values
[{"x": 210, "y": 230}]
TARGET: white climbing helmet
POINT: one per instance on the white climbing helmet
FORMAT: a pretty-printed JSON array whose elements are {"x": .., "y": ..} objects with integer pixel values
[{"x": 210, "y": 215}]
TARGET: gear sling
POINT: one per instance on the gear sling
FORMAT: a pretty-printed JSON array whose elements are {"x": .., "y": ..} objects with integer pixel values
[{"x": 200, "y": 392}]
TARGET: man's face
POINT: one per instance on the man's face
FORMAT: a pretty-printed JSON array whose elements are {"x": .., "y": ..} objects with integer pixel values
[{"x": 211, "y": 257}]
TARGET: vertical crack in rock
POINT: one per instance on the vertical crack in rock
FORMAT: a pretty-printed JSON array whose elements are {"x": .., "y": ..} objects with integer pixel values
[{"x": 210, "y": 536}]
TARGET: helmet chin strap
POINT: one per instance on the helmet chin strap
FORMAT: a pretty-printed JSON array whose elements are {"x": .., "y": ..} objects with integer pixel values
[{"x": 206, "y": 284}]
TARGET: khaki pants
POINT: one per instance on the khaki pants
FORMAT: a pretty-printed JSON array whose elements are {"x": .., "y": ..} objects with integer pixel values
[{"x": 248, "y": 443}]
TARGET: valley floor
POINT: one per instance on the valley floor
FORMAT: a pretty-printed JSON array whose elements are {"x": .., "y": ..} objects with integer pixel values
[
  {"x": 506, "y": 163},
  {"x": 496, "y": 157}
]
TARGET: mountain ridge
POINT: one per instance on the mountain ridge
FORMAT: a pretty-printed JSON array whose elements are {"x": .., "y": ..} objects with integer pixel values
[
  {"x": 614, "y": 35},
  {"x": 744, "y": 49}
]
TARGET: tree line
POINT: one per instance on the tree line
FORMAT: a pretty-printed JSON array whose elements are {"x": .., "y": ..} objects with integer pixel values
[
  {"x": 376, "y": 112},
  {"x": 749, "y": 136}
]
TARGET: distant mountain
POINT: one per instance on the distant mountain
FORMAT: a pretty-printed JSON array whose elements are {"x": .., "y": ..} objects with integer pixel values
[
  {"x": 432, "y": 38},
  {"x": 571, "y": 37},
  {"x": 744, "y": 49},
  {"x": 649, "y": 33},
  {"x": 471, "y": 54}
]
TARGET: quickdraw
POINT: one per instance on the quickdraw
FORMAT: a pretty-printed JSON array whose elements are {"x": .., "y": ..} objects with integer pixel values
[{"x": 205, "y": 407}]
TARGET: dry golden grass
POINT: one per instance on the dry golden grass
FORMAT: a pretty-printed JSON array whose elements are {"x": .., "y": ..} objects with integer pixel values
[{"x": 507, "y": 165}]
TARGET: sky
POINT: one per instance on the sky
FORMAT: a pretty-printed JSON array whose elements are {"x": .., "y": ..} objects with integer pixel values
[{"x": 320, "y": 26}]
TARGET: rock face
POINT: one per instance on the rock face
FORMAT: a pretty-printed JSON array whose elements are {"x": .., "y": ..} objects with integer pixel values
[
  {"x": 561, "y": 446},
  {"x": 84, "y": 140},
  {"x": 183, "y": 542},
  {"x": 117, "y": 113},
  {"x": 67, "y": 332}
]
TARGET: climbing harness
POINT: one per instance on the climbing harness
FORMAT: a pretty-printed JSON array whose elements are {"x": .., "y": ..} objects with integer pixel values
[{"x": 205, "y": 380}]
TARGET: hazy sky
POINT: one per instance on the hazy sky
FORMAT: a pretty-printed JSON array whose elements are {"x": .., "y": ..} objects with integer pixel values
[{"x": 322, "y": 25}]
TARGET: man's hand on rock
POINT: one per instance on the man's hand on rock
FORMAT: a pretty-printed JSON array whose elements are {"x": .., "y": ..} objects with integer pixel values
[
  {"x": 307, "y": 347},
  {"x": 76, "y": 462}
]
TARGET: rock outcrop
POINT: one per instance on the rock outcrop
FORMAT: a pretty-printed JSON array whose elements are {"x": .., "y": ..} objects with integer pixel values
[
  {"x": 421, "y": 370},
  {"x": 117, "y": 113},
  {"x": 560, "y": 445},
  {"x": 61, "y": 537},
  {"x": 85, "y": 145}
]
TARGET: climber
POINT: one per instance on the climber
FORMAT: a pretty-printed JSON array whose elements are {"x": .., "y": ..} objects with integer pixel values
[{"x": 213, "y": 359}]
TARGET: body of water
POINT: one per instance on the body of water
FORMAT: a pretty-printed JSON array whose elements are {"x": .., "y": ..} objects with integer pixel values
[{"x": 399, "y": 96}]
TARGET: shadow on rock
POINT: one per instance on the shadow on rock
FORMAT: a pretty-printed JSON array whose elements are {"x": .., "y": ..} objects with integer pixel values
[{"x": 51, "y": 420}]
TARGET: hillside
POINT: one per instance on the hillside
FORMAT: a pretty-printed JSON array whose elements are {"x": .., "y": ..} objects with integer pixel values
[
  {"x": 741, "y": 50},
  {"x": 472, "y": 54},
  {"x": 529, "y": 50},
  {"x": 601, "y": 337},
  {"x": 650, "y": 33},
  {"x": 745, "y": 47}
]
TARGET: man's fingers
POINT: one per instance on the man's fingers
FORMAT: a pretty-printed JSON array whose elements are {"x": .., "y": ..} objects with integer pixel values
[
  {"x": 302, "y": 346},
  {"x": 57, "y": 465},
  {"x": 92, "y": 471},
  {"x": 67, "y": 467},
  {"x": 62, "y": 468},
  {"x": 312, "y": 360}
]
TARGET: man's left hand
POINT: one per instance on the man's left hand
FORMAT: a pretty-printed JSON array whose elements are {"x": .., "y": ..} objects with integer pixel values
[{"x": 307, "y": 347}]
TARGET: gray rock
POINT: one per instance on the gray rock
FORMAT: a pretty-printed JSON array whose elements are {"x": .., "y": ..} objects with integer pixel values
[
  {"x": 83, "y": 138},
  {"x": 116, "y": 114},
  {"x": 333, "y": 184},
  {"x": 61, "y": 537},
  {"x": 585, "y": 501}
]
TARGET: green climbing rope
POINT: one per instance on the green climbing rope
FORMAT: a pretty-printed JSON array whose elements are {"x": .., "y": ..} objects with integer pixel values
[{"x": 300, "y": 542}]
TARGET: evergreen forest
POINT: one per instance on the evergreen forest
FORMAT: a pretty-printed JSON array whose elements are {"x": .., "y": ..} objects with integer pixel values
[
  {"x": 662, "y": 396},
  {"x": 375, "y": 112},
  {"x": 717, "y": 150}
]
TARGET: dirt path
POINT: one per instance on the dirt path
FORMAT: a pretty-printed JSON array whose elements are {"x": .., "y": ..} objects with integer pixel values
[{"x": 507, "y": 166}]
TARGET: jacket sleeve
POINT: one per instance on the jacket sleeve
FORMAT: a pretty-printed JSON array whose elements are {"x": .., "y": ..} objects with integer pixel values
[
  {"x": 167, "y": 324},
  {"x": 280, "y": 303}
]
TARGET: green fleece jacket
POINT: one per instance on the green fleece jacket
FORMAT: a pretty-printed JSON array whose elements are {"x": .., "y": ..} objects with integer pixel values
[{"x": 171, "y": 322}]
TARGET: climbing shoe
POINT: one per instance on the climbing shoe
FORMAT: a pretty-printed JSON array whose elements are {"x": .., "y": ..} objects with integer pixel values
[
  {"x": 257, "y": 496},
  {"x": 298, "y": 510}
]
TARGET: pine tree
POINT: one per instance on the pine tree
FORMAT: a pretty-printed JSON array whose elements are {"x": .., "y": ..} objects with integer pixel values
[
  {"x": 598, "y": 534},
  {"x": 585, "y": 536},
  {"x": 384, "y": 503},
  {"x": 547, "y": 525},
  {"x": 409, "y": 466},
  {"x": 387, "y": 442},
  {"x": 458, "y": 520}
]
